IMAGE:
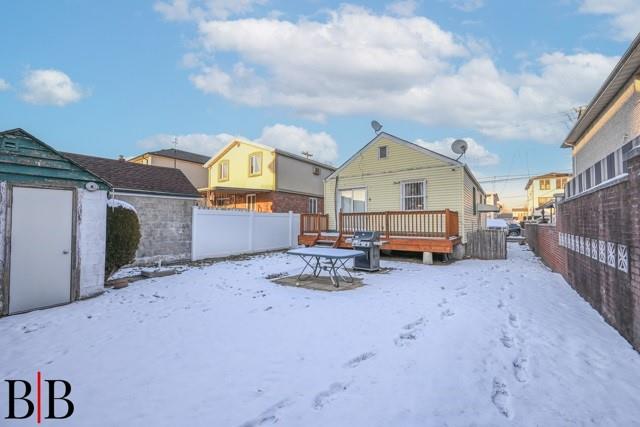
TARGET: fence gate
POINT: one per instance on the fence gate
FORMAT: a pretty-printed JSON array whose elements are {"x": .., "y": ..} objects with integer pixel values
[{"x": 487, "y": 244}]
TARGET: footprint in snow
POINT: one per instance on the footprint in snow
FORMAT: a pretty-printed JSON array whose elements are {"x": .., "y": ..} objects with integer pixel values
[
  {"x": 359, "y": 359},
  {"x": 506, "y": 339},
  {"x": 513, "y": 320},
  {"x": 446, "y": 313},
  {"x": 500, "y": 398},
  {"x": 500, "y": 304},
  {"x": 520, "y": 368},
  {"x": 443, "y": 302},
  {"x": 269, "y": 415},
  {"x": 327, "y": 396}
]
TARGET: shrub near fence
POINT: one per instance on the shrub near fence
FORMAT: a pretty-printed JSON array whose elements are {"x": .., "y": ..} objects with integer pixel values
[{"x": 220, "y": 233}]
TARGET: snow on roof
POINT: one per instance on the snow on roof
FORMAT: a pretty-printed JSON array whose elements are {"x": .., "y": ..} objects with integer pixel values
[{"x": 115, "y": 203}]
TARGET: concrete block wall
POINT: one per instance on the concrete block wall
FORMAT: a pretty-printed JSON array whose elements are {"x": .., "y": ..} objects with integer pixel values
[
  {"x": 91, "y": 234},
  {"x": 165, "y": 227}
]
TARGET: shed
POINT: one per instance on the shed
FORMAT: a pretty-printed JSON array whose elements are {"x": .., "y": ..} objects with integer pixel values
[{"x": 52, "y": 226}]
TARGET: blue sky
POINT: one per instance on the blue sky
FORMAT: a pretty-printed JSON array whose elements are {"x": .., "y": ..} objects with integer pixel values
[{"x": 126, "y": 76}]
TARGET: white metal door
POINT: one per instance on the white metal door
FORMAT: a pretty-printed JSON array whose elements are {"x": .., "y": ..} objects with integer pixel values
[{"x": 41, "y": 228}]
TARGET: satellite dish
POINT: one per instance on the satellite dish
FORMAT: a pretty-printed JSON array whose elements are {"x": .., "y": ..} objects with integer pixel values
[
  {"x": 376, "y": 126},
  {"x": 459, "y": 146}
]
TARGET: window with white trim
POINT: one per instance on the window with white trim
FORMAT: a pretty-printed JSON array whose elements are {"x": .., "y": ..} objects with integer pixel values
[
  {"x": 413, "y": 196},
  {"x": 313, "y": 205},
  {"x": 353, "y": 200},
  {"x": 251, "y": 202},
  {"x": 223, "y": 170},
  {"x": 255, "y": 164}
]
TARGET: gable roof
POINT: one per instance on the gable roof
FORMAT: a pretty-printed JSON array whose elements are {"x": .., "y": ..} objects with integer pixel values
[
  {"x": 547, "y": 175},
  {"x": 136, "y": 178},
  {"x": 171, "y": 153},
  {"x": 624, "y": 70},
  {"x": 48, "y": 159},
  {"x": 413, "y": 146},
  {"x": 224, "y": 150}
]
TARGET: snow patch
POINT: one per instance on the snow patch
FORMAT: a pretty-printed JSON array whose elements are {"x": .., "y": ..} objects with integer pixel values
[{"x": 115, "y": 203}]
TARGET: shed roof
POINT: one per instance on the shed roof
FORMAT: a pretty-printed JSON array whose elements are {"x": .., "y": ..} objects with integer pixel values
[{"x": 136, "y": 178}]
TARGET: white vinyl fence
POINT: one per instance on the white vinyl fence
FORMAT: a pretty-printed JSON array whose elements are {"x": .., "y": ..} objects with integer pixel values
[{"x": 219, "y": 232}]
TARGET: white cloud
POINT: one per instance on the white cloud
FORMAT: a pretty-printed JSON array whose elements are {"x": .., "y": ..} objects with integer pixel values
[
  {"x": 467, "y": 5},
  {"x": 356, "y": 62},
  {"x": 289, "y": 138},
  {"x": 476, "y": 155},
  {"x": 4, "y": 85},
  {"x": 51, "y": 87},
  {"x": 402, "y": 7},
  {"x": 624, "y": 14},
  {"x": 186, "y": 10}
]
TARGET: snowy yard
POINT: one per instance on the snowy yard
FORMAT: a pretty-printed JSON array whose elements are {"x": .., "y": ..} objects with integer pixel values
[{"x": 475, "y": 343}]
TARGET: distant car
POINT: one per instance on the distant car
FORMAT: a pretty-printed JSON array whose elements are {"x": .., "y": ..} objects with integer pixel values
[{"x": 514, "y": 229}]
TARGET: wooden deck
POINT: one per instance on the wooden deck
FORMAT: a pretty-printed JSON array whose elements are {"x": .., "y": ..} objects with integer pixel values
[{"x": 412, "y": 231}]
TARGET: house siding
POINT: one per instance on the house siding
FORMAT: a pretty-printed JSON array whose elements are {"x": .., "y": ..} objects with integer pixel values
[
  {"x": 297, "y": 176},
  {"x": 382, "y": 178},
  {"x": 619, "y": 124},
  {"x": 238, "y": 157},
  {"x": 469, "y": 221},
  {"x": 194, "y": 172}
]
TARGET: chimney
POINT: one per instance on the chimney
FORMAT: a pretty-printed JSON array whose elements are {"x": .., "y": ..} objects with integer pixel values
[{"x": 121, "y": 158}]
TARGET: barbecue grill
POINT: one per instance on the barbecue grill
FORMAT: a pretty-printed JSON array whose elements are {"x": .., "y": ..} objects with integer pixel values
[{"x": 369, "y": 243}]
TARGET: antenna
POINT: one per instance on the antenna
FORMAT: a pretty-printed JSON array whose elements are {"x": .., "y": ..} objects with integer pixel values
[
  {"x": 307, "y": 154},
  {"x": 376, "y": 126},
  {"x": 459, "y": 146},
  {"x": 175, "y": 146}
]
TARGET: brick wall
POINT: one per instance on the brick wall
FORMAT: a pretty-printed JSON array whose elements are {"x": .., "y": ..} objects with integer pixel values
[
  {"x": 606, "y": 219},
  {"x": 298, "y": 203},
  {"x": 543, "y": 240},
  {"x": 165, "y": 227}
]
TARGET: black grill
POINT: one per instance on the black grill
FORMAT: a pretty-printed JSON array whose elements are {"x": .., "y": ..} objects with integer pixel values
[{"x": 369, "y": 243}]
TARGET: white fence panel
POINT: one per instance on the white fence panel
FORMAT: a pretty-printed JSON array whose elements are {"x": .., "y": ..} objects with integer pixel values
[{"x": 219, "y": 233}]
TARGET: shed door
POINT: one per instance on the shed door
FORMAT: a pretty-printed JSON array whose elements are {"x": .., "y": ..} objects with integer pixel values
[{"x": 41, "y": 226}]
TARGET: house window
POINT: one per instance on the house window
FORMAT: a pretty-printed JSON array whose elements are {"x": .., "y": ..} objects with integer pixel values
[
  {"x": 223, "y": 170},
  {"x": 382, "y": 152},
  {"x": 561, "y": 183},
  {"x": 545, "y": 184},
  {"x": 475, "y": 202},
  {"x": 353, "y": 200},
  {"x": 414, "y": 197},
  {"x": 543, "y": 200},
  {"x": 313, "y": 205},
  {"x": 611, "y": 165},
  {"x": 316, "y": 170},
  {"x": 580, "y": 188},
  {"x": 255, "y": 164},
  {"x": 625, "y": 149},
  {"x": 598, "y": 173},
  {"x": 251, "y": 202}
]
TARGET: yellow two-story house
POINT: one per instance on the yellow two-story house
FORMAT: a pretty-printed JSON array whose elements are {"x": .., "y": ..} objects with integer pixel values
[
  {"x": 541, "y": 189},
  {"x": 391, "y": 174},
  {"x": 252, "y": 176}
]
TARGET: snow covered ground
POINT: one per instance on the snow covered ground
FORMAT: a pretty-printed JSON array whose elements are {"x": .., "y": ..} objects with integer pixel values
[{"x": 483, "y": 343}]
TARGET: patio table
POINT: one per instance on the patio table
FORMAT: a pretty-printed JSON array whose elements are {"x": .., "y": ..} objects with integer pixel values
[{"x": 331, "y": 260}]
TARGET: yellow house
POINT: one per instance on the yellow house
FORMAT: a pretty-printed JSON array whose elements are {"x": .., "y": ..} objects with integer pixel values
[
  {"x": 252, "y": 176},
  {"x": 391, "y": 174},
  {"x": 540, "y": 189}
]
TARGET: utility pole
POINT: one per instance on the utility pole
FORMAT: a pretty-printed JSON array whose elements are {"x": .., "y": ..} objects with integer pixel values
[
  {"x": 175, "y": 146},
  {"x": 307, "y": 154}
]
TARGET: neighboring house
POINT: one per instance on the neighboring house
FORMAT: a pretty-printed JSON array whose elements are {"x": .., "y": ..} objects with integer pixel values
[
  {"x": 163, "y": 198},
  {"x": 608, "y": 128},
  {"x": 391, "y": 174},
  {"x": 540, "y": 189},
  {"x": 52, "y": 226},
  {"x": 246, "y": 175},
  {"x": 190, "y": 164},
  {"x": 493, "y": 200},
  {"x": 519, "y": 214}
]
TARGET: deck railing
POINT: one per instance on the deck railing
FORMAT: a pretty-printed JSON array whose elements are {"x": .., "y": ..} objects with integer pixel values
[
  {"x": 440, "y": 224},
  {"x": 313, "y": 223}
]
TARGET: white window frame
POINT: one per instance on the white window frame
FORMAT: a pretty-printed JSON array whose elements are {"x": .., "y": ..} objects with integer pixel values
[
  {"x": 258, "y": 164},
  {"x": 424, "y": 195},
  {"x": 386, "y": 152},
  {"x": 313, "y": 205},
  {"x": 250, "y": 206},
  {"x": 366, "y": 197},
  {"x": 221, "y": 168}
]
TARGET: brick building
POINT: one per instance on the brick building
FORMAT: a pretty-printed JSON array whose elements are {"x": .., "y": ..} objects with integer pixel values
[{"x": 595, "y": 243}]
